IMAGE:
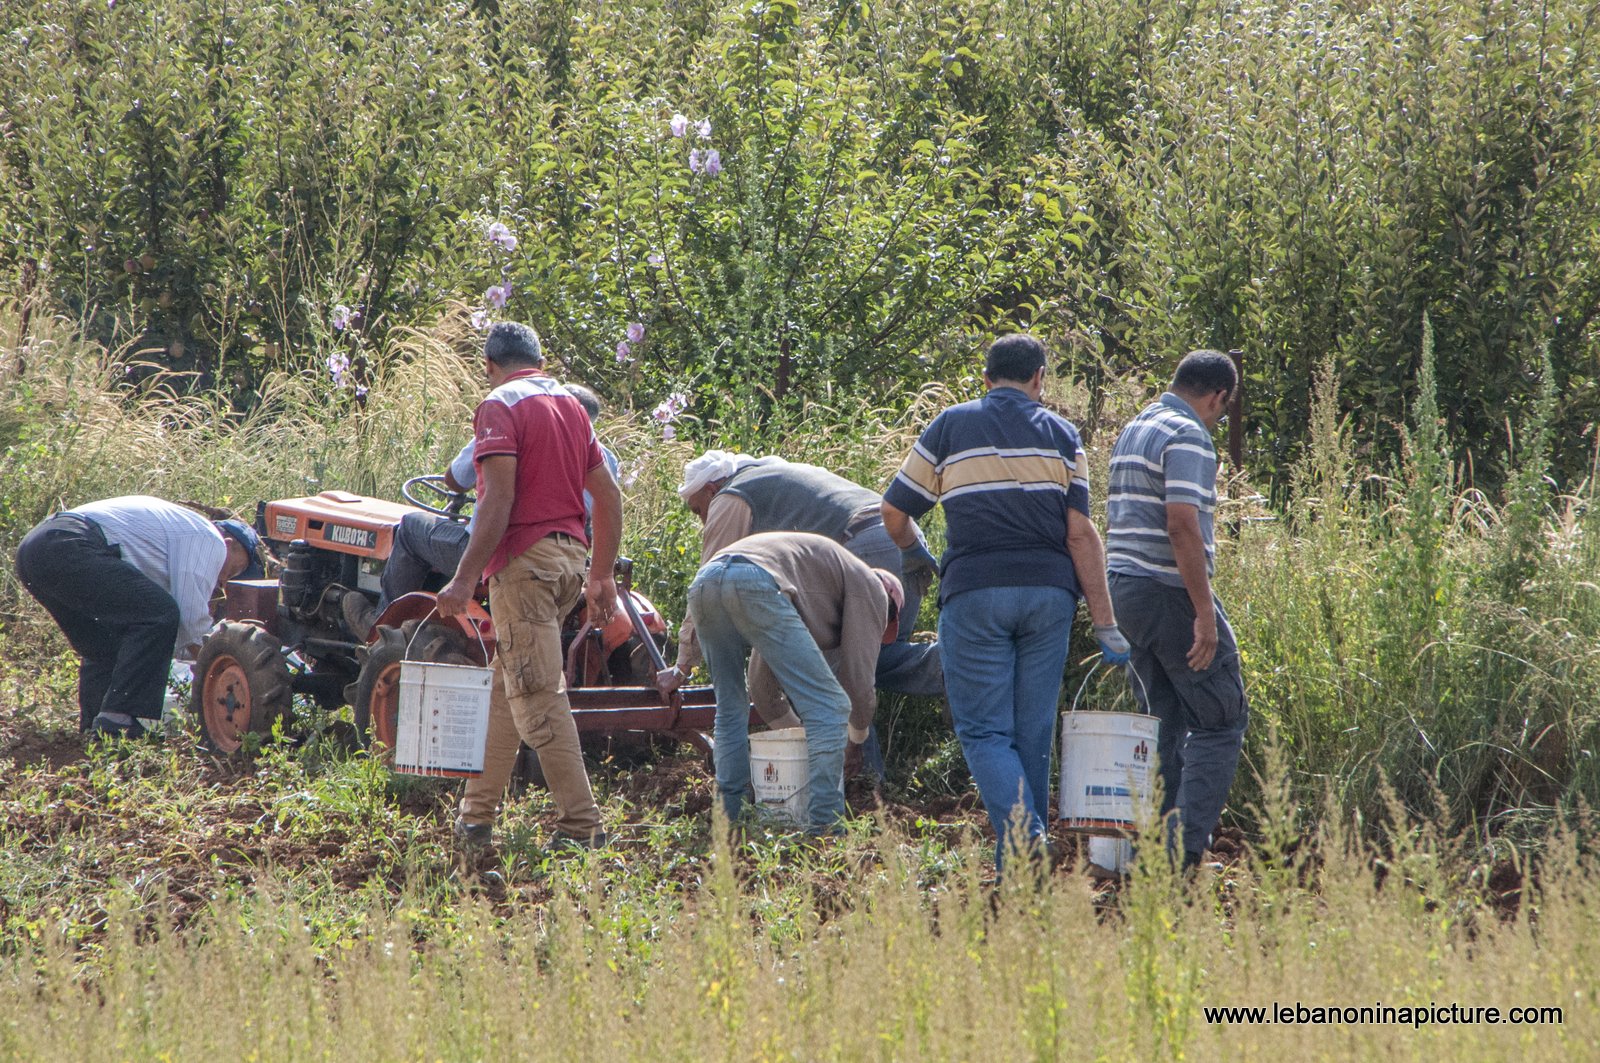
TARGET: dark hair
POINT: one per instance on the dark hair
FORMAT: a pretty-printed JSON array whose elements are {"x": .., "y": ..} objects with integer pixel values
[
  {"x": 1015, "y": 357},
  {"x": 586, "y": 398},
  {"x": 1205, "y": 372},
  {"x": 509, "y": 343}
]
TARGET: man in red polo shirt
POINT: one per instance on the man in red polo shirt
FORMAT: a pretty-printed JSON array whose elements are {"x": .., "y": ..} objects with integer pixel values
[{"x": 535, "y": 454}]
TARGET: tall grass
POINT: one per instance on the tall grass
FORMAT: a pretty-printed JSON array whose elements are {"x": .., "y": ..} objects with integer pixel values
[{"x": 897, "y": 972}]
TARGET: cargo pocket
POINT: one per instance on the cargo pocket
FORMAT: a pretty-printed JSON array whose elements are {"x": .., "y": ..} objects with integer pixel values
[
  {"x": 1216, "y": 697},
  {"x": 531, "y": 659}
]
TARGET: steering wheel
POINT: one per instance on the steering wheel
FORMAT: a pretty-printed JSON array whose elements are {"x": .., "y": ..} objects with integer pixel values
[{"x": 440, "y": 499}]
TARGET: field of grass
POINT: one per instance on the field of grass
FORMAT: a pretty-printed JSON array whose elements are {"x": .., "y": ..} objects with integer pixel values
[
  {"x": 310, "y": 909},
  {"x": 1410, "y": 825}
]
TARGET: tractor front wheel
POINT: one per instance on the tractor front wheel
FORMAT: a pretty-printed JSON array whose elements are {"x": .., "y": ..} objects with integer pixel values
[
  {"x": 241, "y": 685},
  {"x": 377, "y": 695}
]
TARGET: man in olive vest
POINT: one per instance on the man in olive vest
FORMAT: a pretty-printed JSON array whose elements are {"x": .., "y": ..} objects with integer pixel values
[{"x": 736, "y": 495}]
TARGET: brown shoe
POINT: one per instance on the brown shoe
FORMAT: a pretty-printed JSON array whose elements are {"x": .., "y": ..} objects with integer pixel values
[{"x": 359, "y": 614}]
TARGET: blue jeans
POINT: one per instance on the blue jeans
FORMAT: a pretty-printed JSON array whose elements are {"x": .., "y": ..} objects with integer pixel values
[
  {"x": 424, "y": 544},
  {"x": 1004, "y": 651},
  {"x": 737, "y": 607},
  {"x": 904, "y": 667}
]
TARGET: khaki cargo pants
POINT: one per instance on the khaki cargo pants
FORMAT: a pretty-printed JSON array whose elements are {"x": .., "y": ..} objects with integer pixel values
[{"x": 528, "y": 599}]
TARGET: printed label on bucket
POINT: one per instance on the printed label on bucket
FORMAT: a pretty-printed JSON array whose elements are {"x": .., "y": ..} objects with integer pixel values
[
  {"x": 1105, "y": 798},
  {"x": 443, "y": 720},
  {"x": 773, "y": 788}
]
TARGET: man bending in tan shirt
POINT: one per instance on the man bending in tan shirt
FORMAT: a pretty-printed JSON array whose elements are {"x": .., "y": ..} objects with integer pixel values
[{"x": 818, "y": 617}]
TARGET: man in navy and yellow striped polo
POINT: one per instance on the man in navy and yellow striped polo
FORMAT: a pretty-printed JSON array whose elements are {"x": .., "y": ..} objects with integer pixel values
[
  {"x": 1021, "y": 551},
  {"x": 1160, "y": 512}
]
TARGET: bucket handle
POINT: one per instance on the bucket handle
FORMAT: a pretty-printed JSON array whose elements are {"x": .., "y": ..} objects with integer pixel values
[
  {"x": 1144, "y": 701},
  {"x": 431, "y": 614}
]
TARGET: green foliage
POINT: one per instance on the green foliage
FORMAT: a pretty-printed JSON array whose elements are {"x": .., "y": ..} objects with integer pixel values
[
  {"x": 1304, "y": 180},
  {"x": 1414, "y": 642},
  {"x": 211, "y": 181}
]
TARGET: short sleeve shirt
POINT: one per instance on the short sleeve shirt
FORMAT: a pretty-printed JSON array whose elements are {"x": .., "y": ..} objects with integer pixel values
[
  {"x": 534, "y": 419},
  {"x": 1007, "y": 471},
  {"x": 1164, "y": 455}
]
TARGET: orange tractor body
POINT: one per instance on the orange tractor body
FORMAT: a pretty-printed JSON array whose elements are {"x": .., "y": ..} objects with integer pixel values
[{"x": 286, "y": 637}]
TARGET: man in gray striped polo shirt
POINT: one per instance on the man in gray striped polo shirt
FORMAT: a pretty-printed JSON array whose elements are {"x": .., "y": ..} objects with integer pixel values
[{"x": 1160, "y": 556}]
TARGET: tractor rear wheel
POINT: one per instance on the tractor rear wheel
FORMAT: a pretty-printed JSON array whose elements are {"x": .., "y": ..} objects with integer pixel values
[
  {"x": 630, "y": 664},
  {"x": 241, "y": 685},
  {"x": 377, "y": 694}
]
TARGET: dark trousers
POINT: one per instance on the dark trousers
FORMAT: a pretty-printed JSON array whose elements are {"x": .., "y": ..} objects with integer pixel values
[
  {"x": 904, "y": 667},
  {"x": 423, "y": 544},
  {"x": 120, "y": 622},
  {"x": 1203, "y": 714}
]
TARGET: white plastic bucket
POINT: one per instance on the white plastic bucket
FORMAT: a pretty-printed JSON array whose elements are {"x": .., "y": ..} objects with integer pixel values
[
  {"x": 443, "y": 719},
  {"x": 1106, "y": 762},
  {"x": 779, "y": 770},
  {"x": 1114, "y": 856}
]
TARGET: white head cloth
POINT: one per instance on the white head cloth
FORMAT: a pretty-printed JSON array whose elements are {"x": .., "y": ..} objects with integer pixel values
[{"x": 710, "y": 467}]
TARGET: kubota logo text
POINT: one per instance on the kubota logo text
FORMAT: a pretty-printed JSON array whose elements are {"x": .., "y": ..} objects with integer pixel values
[{"x": 340, "y": 533}]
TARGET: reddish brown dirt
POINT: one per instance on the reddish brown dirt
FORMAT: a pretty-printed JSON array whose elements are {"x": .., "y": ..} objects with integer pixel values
[{"x": 27, "y": 749}]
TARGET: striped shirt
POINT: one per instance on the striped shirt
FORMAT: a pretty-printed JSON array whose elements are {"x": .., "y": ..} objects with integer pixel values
[
  {"x": 1006, "y": 470},
  {"x": 1163, "y": 455},
  {"x": 176, "y": 548}
]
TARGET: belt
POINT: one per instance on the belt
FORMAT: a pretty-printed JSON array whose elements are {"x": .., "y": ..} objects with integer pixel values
[
  {"x": 77, "y": 522},
  {"x": 863, "y": 522}
]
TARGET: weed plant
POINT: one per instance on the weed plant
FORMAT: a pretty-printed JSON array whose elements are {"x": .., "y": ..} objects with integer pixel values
[{"x": 862, "y": 951}]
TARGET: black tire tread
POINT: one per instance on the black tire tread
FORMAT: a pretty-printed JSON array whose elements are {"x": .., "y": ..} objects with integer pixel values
[
  {"x": 261, "y": 656},
  {"x": 436, "y": 644}
]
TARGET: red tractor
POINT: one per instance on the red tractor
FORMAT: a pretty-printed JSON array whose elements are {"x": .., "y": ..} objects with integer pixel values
[{"x": 287, "y": 636}]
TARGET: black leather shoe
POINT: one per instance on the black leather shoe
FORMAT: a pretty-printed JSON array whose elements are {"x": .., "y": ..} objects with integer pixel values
[{"x": 139, "y": 728}]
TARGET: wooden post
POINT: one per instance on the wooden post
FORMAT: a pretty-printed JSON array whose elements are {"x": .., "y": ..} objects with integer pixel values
[{"x": 1236, "y": 414}]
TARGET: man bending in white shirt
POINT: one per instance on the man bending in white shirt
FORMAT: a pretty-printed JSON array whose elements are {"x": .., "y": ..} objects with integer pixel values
[{"x": 130, "y": 582}]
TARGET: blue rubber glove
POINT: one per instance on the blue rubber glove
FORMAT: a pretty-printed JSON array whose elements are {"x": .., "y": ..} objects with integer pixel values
[
  {"x": 917, "y": 568},
  {"x": 1114, "y": 649}
]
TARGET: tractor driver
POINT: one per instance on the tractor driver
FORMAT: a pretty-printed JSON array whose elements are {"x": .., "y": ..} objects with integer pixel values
[
  {"x": 536, "y": 453},
  {"x": 130, "y": 581},
  {"x": 428, "y": 545}
]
